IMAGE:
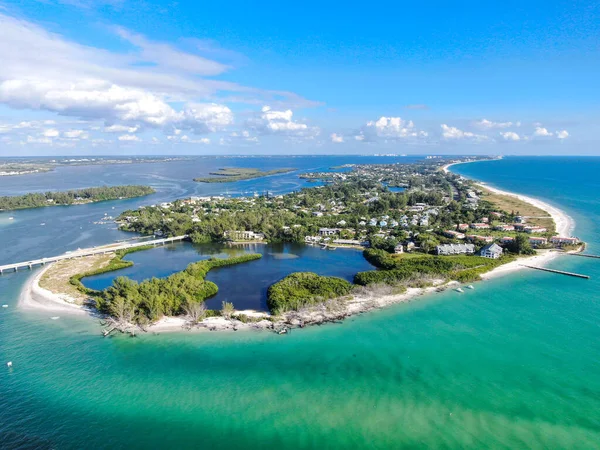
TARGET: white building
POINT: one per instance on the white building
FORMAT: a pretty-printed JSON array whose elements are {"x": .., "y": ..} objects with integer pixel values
[
  {"x": 493, "y": 251},
  {"x": 455, "y": 249}
]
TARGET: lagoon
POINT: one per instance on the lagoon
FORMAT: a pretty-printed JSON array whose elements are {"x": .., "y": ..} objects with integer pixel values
[{"x": 245, "y": 285}]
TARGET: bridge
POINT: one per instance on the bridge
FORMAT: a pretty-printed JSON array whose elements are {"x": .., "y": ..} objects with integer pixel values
[{"x": 88, "y": 252}]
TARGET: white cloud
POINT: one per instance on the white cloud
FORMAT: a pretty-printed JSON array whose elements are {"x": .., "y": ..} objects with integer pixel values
[
  {"x": 336, "y": 138},
  {"x": 76, "y": 134},
  {"x": 155, "y": 85},
  {"x": 562, "y": 134},
  {"x": 510, "y": 136},
  {"x": 453, "y": 133},
  {"x": 120, "y": 129},
  {"x": 270, "y": 121},
  {"x": 359, "y": 137},
  {"x": 542, "y": 132},
  {"x": 488, "y": 124},
  {"x": 51, "y": 133},
  {"x": 206, "y": 117},
  {"x": 391, "y": 128},
  {"x": 129, "y": 138}
]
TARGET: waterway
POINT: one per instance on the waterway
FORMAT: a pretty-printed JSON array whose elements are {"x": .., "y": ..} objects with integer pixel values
[{"x": 514, "y": 363}]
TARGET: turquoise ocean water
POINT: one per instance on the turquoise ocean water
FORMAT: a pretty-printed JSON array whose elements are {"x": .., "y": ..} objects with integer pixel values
[{"x": 513, "y": 364}]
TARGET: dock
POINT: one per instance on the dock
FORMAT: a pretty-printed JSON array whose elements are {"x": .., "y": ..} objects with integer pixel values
[
  {"x": 561, "y": 272},
  {"x": 87, "y": 252}
]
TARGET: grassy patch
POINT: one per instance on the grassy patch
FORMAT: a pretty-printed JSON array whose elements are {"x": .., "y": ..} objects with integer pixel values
[
  {"x": 539, "y": 217},
  {"x": 230, "y": 174}
]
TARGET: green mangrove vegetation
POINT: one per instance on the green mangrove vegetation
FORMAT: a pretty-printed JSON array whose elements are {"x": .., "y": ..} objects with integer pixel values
[
  {"x": 302, "y": 289},
  {"x": 128, "y": 301},
  {"x": 75, "y": 197},
  {"x": 231, "y": 174}
]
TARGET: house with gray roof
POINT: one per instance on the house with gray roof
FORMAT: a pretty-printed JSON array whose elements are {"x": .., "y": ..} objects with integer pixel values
[{"x": 493, "y": 251}]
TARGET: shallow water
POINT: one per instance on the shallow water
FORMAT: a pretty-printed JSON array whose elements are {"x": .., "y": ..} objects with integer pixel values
[{"x": 514, "y": 363}]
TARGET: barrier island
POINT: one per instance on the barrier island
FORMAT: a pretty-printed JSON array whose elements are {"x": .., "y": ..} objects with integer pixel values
[{"x": 440, "y": 231}]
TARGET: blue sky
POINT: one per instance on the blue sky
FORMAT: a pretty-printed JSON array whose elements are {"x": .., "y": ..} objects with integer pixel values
[{"x": 116, "y": 77}]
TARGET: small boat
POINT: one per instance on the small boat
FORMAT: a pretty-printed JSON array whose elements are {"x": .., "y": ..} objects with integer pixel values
[
  {"x": 5, "y": 306},
  {"x": 9, "y": 364},
  {"x": 43, "y": 223},
  {"x": 470, "y": 286},
  {"x": 55, "y": 318},
  {"x": 459, "y": 290},
  {"x": 11, "y": 218}
]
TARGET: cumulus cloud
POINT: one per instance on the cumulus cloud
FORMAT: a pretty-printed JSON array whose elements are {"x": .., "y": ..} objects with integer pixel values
[
  {"x": 51, "y": 133},
  {"x": 453, "y": 133},
  {"x": 336, "y": 138},
  {"x": 488, "y": 124},
  {"x": 542, "y": 132},
  {"x": 562, "y": 134},
  {"x": 510, "y": 136},
  {"x": 390, "y": 128},
  {"x": 270, "y": 121},
  {"x": 76, "y": 134}
]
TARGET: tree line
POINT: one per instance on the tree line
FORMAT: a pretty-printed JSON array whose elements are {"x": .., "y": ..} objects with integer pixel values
[{"x": 88, "y": 195}]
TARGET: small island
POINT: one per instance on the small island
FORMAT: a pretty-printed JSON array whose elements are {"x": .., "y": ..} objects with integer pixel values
[
  {"x": 231, "y": 174},
  {"x": 75, "y": 197}
]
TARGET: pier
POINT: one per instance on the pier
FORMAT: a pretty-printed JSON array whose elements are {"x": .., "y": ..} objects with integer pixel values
[
  {"x": 88, "y": 252},
  {"x": 561, "y": 272}
]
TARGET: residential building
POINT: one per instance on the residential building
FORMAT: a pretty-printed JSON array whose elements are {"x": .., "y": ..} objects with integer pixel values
[
  {"x": 455, "y": 249},
  {"x": 244, "y": 235},
  {"x": 328, "y": 231},
  {"x": 537, "y": 241},
  {"x": 493, "y": 251},
  {"x": 559, "y": 240}
]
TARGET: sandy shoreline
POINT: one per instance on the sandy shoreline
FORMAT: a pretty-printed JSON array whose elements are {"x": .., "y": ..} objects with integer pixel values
[
  {"x": 35, "y": 297},
  {"x": 565, "y": 225}
]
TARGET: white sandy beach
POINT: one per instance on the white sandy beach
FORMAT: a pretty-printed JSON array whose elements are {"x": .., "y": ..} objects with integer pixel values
[
  {"x": 33, "y": 296},
  {"x": 565, "y": 224}
]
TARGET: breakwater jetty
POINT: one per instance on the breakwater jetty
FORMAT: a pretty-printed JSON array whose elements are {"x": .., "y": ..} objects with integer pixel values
[
  {"x": 583, "y": 255},
  {"x": 88, "y": 252},
  {"x": 561, "y": 272}
]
